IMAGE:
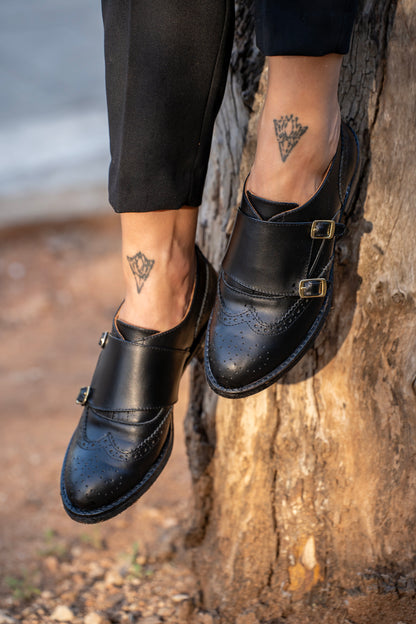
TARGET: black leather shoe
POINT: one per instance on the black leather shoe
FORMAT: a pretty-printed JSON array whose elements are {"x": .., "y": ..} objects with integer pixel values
[
  {"x": 125, "y": 434},
  {"x": 275, "y": 285}
]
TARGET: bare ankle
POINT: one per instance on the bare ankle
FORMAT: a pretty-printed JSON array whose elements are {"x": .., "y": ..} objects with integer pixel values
[
  {"x": 159, "y": 267},
  {"x": 293, "y": 155},
  {"x": 161, "y": 300}
]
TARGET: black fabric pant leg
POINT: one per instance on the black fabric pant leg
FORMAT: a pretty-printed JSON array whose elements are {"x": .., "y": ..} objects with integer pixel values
[
  {"x": 166, "y": 69},
  {"x": 304, "y": 27}
]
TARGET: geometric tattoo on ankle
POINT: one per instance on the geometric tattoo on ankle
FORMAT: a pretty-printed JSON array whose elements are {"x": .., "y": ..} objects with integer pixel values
[
  {"x": 288, "y": 132},
  {"x": 140, "y": 267}
]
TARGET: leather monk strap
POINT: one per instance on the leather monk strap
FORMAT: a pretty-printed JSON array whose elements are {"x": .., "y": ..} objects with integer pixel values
[
  {"x": 131, "y": 376},
  {"x": 271, "y": 256}
]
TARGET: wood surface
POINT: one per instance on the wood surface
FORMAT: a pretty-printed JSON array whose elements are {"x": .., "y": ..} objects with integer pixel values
[{"x": 308, "y": 489}]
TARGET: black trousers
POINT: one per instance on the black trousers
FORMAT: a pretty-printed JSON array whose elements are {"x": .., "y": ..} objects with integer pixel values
[{"x": 166, "y": 69}]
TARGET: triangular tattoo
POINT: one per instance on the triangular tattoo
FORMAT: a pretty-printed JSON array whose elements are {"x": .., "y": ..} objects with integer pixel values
[
  {"x": 140, "y": 267},
  {"x": 288, "y": 132}
]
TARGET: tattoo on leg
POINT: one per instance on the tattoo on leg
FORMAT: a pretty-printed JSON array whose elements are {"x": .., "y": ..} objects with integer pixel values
[
  {"x": 288, "y": 132},
  {"x": 140, "y": 267}
]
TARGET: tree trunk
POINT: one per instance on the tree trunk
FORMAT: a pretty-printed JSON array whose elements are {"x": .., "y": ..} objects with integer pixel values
[{"x": 306, "y": 492}]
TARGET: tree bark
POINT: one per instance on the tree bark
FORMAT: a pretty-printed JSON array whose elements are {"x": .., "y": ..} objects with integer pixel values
[{"x": 306, "y": 492}]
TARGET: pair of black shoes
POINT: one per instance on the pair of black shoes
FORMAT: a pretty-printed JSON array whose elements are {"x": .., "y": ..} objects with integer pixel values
[{"x": 269, "y": 303}]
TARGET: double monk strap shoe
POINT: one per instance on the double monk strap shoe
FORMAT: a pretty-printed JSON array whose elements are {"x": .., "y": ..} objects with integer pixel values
[
  {"x": 276, "y": 280},
  {"x": 125, "y": 434}
]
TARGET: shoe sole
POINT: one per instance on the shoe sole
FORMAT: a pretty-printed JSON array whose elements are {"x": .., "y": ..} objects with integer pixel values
[{"x": 277, "y": 373}]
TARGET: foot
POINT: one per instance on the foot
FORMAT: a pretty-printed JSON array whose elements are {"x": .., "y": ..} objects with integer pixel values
[
  {"x": 125, "y": 434},
  {"x": 275, "y": 284}
]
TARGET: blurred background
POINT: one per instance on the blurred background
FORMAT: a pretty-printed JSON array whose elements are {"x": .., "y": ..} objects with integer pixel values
[
  {"x": 60, "y": 282},
  {"x": 53, "y": 125}
]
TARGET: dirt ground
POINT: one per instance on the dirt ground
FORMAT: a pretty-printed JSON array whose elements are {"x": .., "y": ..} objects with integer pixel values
[{"x": 59, "y": 286}]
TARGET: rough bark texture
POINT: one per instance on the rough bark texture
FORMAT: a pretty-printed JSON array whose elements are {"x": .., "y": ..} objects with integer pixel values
[{"x": 308, "y": 490}]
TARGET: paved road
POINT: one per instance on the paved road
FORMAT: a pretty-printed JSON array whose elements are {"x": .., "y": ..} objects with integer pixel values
[{"x": 53, "y": 127}]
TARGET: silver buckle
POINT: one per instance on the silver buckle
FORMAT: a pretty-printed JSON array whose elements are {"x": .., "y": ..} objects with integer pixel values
[
  {"x": 303, "y": 286},
  {"x": 83, "y": 395},
  {"x": 330, "y": 229},
  {"x": 103, "y": 339}
]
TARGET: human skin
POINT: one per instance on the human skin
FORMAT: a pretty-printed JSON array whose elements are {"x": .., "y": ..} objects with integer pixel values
[{"x": 158, "y": 252}]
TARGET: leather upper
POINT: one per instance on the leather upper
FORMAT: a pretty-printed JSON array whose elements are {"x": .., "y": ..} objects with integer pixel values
[
  {"x": 127, "y": 422},
  {"x": 275, "y": 284}
]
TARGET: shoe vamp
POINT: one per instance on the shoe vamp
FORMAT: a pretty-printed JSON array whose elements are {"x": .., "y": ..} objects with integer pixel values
[
  {"x": 238, "y": 302},
  {"x": 124, "y": 424},
  {"x": 254, "y": 337},
  {"x": 107, "y": 459}
]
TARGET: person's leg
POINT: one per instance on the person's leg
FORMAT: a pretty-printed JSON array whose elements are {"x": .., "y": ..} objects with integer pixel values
[
  {"x": 166, "y": 68},
  {"x": 304, "y": 42},
  {"x": 158, "y": 251},
  {"x": 302, "y": 104}
]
